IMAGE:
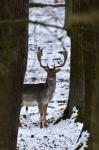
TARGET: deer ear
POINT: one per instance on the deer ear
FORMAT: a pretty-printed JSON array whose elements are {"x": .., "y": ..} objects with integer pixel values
[{"x": 57, "y": 70}]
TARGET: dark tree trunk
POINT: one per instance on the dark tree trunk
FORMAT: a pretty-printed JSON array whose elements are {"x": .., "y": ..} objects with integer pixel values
[
  {"x": 68, "y": 12},
  {"x": 13, "y": 56},
  {"x": 77, "y": 77},
  {"x": 91, "y": 85},
  {"x": 90, "y": 70},
  {"x": 95, "y": 103},
  {"x": 84, "y": 92},
  {"x": 84, "y": 74}
]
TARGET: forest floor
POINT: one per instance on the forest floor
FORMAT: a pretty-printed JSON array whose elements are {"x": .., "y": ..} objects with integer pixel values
[
  {"x": 62, "y": 136},
  {"x": 65, "y": 134}
]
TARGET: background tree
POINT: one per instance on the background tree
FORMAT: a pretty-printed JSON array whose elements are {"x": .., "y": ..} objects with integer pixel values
[{"x": 13, "y": 56}]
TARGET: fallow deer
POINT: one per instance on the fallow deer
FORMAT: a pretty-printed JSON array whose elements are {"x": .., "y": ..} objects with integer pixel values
[{"x": 42, "y": 93}]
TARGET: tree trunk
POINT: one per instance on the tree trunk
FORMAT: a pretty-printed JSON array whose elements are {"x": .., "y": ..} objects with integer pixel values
[
  {"x": 85, "y": 38},
  {"x": 92, "y": 86},
  {"x": 68, "y": 13},
  {"x": 13, "y": 56},
  {"x": 84, "y": 74},
  {"x": 77, "y": 77},
  {"x": 95, "y": 102}
]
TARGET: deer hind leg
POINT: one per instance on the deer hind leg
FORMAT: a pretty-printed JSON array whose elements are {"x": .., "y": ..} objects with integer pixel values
[
  {"x": 26, "y": 108},
  {"x": 26, "y": 111},
  {"x": 45, "y": 113},
  {"x": 40, "y": 107}
]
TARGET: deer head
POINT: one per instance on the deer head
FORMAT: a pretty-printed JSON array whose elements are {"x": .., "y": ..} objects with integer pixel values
[
  {"x": 51, "y": 71},
  {"x": 55, "y": 69}
]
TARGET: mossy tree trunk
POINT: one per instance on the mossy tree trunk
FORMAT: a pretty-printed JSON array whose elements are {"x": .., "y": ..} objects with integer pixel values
[
  {"x": 92, "y": 85},
  {"x": 77, "y": 76},
  {"x": 13, "y": 56},
  {"x": 84, "y": 75},
  {"x": 95, "y": 103},
  {"x": 77, "y": 70}
]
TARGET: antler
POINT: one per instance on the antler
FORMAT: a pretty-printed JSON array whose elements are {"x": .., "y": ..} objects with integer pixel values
[
  {"x": 65, "y": 58},
  {"x": 39, "y": 55}
]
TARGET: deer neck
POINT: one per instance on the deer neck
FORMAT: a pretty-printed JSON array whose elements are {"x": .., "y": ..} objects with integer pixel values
[{"x": 51, "y": 82}]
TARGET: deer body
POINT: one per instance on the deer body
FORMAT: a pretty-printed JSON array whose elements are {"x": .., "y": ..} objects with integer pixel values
[
  {"x": 38, "y": 93},
  {"x": 41, "y": 94}
]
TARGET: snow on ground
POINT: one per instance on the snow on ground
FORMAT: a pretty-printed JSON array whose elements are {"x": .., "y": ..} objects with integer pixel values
[{"x": 64, "y": 135}]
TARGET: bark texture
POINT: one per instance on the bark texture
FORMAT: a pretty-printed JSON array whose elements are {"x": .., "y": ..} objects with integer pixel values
[
  {"x": 13, "y": 56},
  {"x": 84, "y": 77}
]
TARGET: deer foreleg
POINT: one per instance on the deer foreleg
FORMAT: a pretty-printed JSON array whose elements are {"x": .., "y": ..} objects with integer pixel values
[
  {"x": 41, "y": 125},
  {"x": 45, "y": 113},
  {"x": 41, "y": 114}
]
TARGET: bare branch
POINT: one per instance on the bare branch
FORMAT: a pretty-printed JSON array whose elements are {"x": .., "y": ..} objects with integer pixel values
[
  {"x": 31, "y": 5},
  {"x": 43, "y": 24}
]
